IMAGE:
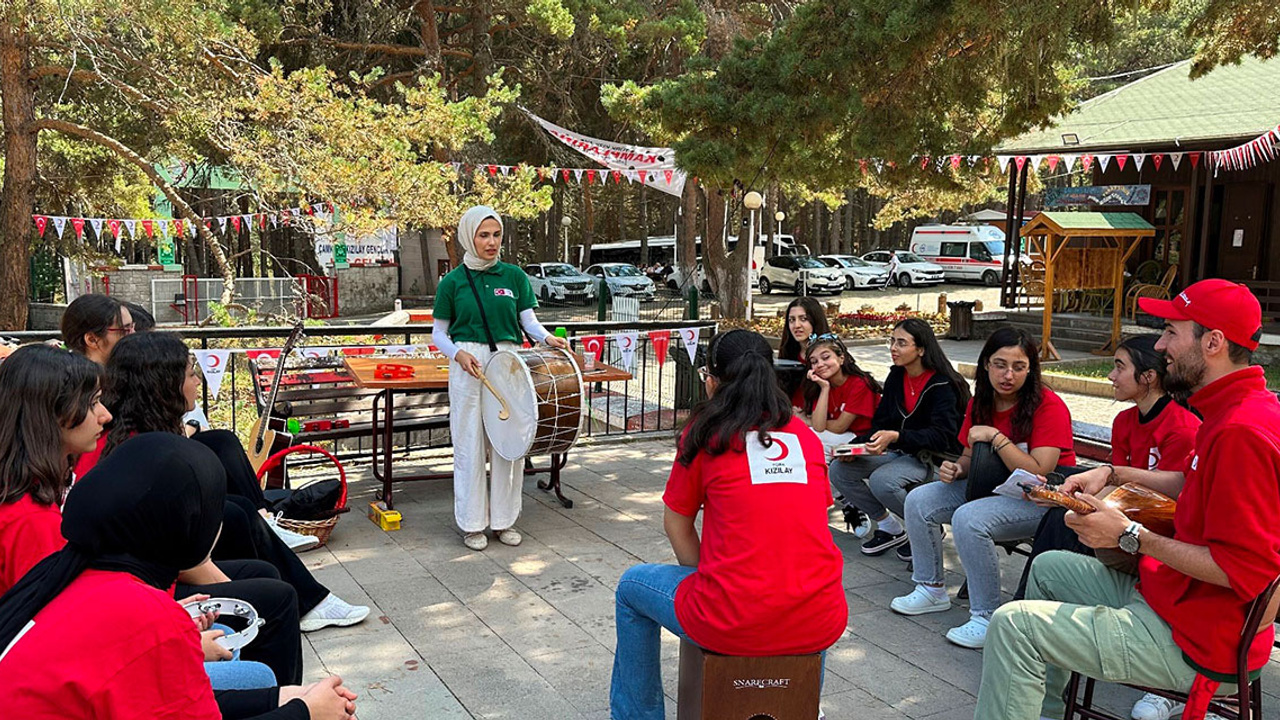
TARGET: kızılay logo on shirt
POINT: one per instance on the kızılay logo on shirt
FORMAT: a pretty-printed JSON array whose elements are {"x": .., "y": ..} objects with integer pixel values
[
  {"x": 782, "y": 461},
  {"x": 503, "y": 292}
]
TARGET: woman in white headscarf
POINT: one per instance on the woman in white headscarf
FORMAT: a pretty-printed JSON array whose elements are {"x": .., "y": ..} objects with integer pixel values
[{"x": 480, "y": 308}]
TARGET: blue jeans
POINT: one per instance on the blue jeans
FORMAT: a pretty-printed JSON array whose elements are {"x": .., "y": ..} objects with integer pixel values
[
  {"x": 646, "y": 603},
  {"x": 878, "y": 484},
  {"x": 237, "y": 674},
  {"x": 977, "y": 525}
]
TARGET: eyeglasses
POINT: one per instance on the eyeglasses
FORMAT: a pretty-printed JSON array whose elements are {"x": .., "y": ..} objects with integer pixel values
[
  {"x": 815, "y": 339},
  {"x": 704, "y": 373},
  {"x": 123, "y": 329},
  {"x": 900, "y": 343}
]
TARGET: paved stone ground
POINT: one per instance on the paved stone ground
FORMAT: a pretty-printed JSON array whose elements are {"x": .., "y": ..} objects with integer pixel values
[{"x": 528, "y": 632}]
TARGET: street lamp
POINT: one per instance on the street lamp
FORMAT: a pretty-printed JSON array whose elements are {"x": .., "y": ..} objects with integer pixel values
[
  {"x": 565, "y": 222},
  {"x": 779, "y": 217},
  {"x": 752, "y": 201}
]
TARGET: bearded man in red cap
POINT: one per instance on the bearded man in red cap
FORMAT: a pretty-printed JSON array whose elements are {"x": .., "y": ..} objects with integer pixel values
[{"x": 1177, "y": 624}]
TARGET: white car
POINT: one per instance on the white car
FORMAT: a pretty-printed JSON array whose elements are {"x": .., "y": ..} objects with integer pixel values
[
  {"x": 858, "y": 273},
  {"x": 912, "y": 269},
  {"x": 801, "y": 274},
  {"x": 624, "y": 280},
  {"x": 561, "y": 282}
]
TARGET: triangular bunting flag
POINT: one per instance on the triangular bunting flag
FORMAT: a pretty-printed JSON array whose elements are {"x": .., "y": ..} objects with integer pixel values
[
  {"x": 1086, "y": 163},
  {"x": 213, "y": 363},
  {"x": 591, "y": 176},
  {"x": 41, "y": 222},
  {"x": 924, "y": 162},
  {"x": 1053, "y": 161},
  {"x": 955, "y": 162},
  {"x": 59, "y": 224},
  {"x": 565, "y": 174},
  {"x": 179, "y": 227},
  {"x": 493, "y": 170},
  {"x": 660, "y": 340},
  {"x": 247, "y": 221},
  {"x": 1156, "y": 159},
  {"x": 96, "y": 224},
  {"x": 221, "y": 223},
  {"x": 149, "y": 228},
  {"x": 1103, "y": 162},
  {"x": 594, "y": 345},
  {"x": 1020, "y": 162},
  {"x": 577, "y": 174},
  {"x": 1195, "y": 158},
  {"x": 1121, "y": 159},
  {"x": 506, "y": 169},
  {"x": 668, "y": 175},
  {"x": 131, "y": 225},
  {"x": 164, "y": 227},
  {"x": 644, "y": 175},
  {"x": 690, "y": 337},
  {"x": 617, "y": 178},
  {"x": 1069, "y": 162},
  {"x": 1035, "y": 162},
  {"x": 235, "y": 223},
  {"x": 627, "y": 343},
  {"x": 1004, "y": 162},
  {"x": 78, "y": 224}
]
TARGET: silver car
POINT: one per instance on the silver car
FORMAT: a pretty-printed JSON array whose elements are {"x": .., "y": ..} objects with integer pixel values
[
  {"x": 858, "y": 273},
  {"x": 561, "y": 282},
  {"x": 624, "y": 280},
  {"x": 912, "y": 269}
]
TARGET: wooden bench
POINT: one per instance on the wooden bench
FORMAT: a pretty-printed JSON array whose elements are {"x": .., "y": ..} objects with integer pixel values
[{"x": 322, "y": 396}]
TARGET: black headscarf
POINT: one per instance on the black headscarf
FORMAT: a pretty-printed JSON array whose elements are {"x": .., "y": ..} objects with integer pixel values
[{"x": 152, "y": 509}]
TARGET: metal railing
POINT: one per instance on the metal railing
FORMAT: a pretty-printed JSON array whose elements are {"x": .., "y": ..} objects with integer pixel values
[{"x": 656, "y": 398}]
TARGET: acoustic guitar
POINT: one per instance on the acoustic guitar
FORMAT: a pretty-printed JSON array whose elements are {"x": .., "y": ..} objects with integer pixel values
[{"x": 262, "y": 439}]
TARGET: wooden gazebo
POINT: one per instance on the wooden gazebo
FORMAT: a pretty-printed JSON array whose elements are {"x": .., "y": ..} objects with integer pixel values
[{"x": 1083, "y": 251}]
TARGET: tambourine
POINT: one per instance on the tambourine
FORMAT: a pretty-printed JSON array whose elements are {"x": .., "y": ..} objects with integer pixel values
[{"x": 227, "y": 607}]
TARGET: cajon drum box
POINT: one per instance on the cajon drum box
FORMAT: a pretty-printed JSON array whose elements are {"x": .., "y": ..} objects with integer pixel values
[{"x": 723, "y": 687}]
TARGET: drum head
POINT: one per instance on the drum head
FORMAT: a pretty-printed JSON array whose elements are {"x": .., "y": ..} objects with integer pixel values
[{"x": 510, "y": 438}]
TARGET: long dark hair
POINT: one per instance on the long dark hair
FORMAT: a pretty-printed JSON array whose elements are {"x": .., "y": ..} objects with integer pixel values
[
  {"x": 984, "y": 396},
  {"x": 143, "y": 387},
  {"x": 747, "y": 397},
  {"x": 45, "y": 390},
  {"x": 848, "y": 366},
  {"x": 934, "y": 358},
  {"x": 1144, "y": 356},
  {"x": 790, "y": 348},
  {"x": 88, "y": 315}
]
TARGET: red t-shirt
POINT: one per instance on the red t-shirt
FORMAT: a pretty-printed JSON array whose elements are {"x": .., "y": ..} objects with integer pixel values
[
  {"x": 912, "y": 388},
  {"x": 147, "y": 664},
  {"x": 29, "y": 532},
  {"x": 1165, "y": 442},
  {"x": 1229, "y": 503},
  {"x": 855, "y": 397},
  {"x": 85, "y": 462},
  {"x": 1050, "y": 426},
  {"x": 769, "y": 576}
]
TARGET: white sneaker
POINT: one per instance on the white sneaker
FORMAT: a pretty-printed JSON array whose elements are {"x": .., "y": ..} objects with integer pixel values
[
  {"x": 972, "y": 634},
  {"x": 920, "y": 602},
  {"x": 510, "y": 536},
  {"x": 1155, "y": 707},
  {"x": 297, "y": 542},
  {"x": 476, "y": 540},
  {"x": 332, "y": 611}
]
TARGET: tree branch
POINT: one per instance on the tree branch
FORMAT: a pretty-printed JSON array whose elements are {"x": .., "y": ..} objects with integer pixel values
[
  {"x": 119, "y": 148},
  {"x": 89, "y": 77}
]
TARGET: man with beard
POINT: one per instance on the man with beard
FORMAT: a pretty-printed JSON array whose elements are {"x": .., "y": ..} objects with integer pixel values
[{"x": 1177, "y": 624}]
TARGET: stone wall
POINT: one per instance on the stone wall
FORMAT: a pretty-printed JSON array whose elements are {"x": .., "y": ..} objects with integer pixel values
[
  {"x": 132, "y": 283},
  {"x": 367, "y": 290},
  {"x": 45, "y": 316}
]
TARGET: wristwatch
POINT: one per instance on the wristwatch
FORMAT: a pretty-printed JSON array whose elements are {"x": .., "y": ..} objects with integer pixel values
[{"x": 1130, "y": 541}]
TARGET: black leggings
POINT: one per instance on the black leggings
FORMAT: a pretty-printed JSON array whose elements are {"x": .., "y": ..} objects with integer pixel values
[
  {"x": 241, "y": 480},
  {"x": 246, "y": 536},
  {"x": 279, "y": 641}
]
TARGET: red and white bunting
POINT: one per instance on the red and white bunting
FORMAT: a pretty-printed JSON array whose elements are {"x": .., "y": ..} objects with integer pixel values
[
  {"x": 690, "y": 337},
  {"x": 41, "y": 222},
  {"x": 660, "y": 340},
  {"x": 1103, "y": 162}
]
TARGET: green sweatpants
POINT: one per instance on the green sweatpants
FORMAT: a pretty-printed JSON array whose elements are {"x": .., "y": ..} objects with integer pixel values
[{"x": 1079, "y": 615}]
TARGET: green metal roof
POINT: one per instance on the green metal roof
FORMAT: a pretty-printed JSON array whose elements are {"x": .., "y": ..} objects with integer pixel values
[
  {"x": 1168, "y": 109},
  {"x": 1090, "y": 221}
]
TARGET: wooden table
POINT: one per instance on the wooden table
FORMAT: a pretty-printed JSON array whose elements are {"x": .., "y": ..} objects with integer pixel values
[{"x": 433, "y": 374}]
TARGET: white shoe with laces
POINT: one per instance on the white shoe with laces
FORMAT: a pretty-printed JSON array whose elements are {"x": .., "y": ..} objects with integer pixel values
[
  {"x": 297, "y": 542},
  {"x": 334, "y": 611}
]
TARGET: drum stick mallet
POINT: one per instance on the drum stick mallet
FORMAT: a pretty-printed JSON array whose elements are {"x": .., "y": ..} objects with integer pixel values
[{"x": 503, "y": 413}]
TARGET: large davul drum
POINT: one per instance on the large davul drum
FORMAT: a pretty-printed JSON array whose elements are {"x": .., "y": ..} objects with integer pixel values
[{"x": 535, "y": 405}]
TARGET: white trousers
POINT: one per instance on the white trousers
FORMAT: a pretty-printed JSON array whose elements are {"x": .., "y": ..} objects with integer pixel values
[{"x": 478, "y": 504}]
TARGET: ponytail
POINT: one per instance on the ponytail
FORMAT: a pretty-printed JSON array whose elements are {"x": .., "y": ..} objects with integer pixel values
[{"x": 747, "y": 397}]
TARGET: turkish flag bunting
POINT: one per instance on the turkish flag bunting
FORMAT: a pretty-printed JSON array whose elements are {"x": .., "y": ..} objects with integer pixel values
[
  {"x": 1053, "y": 161},
  {"x": 493, "y": 170},
  {"x": 667, "y": 174},
  {"x": 660, "y": 340},
  {"x": 643, "y": 174},
  {"x": 591, "y": 176},
  {"x": 1121, "y": 160},
  {"x": 617, "y": 178},
  {"x": 78, "y": 224},
  {"x": 1156, "y": 159},
  {"x": 114, "y": 226},
  {"x": 1195, "y": 158},
  {"x": 1021, "y": 162},
  {"x": 41, "y": 221},
  {"x": 1086, "y": 163},
  {"x": 594, "y": 344},
  {"x": 148, "y": 227},
  {"x": 955, "y": 162},
  {"x": 235, "y": 223}
]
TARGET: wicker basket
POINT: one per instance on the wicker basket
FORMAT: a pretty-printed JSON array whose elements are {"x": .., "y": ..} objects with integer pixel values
[{"x": 319, "y": 528}]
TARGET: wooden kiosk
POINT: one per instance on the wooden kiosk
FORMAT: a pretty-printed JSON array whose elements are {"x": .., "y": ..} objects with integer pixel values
[{"x": 1084, "y": 251}]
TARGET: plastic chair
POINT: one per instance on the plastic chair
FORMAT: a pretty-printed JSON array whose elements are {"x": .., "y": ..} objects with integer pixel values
[{"x": 1241, "y": 705}]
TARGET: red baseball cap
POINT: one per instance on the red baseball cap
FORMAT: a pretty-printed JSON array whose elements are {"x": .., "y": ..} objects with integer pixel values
[{"x": 1216, "y": 304}]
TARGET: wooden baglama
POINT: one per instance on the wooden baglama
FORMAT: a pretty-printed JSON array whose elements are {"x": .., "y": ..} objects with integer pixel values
[
  {"x": 262, "y": 439},
  {"x": 1154, "y": 510}
]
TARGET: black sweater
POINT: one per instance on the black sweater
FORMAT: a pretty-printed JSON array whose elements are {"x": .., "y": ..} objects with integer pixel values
[{"x": 934, "y": 424}]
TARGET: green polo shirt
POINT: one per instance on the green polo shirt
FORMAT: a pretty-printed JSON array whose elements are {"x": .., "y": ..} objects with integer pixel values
[{"x": 505, "y": 291}]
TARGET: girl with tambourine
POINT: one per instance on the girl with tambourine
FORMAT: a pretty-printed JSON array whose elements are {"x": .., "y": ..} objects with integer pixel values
[{"x": 481, "y": 308}]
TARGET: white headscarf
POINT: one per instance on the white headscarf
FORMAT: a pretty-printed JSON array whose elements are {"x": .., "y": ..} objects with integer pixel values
[{"x": 467, "y": 228}]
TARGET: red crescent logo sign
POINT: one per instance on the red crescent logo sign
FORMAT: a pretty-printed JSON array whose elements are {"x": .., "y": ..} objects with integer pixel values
[
  {"x": 212, "y": 362},
  {"x": 594, "y": 345},
  {"x": 626, "y": 341},
  {"x": 690, "y": 335},
  {"x": 783, "y": 452}
]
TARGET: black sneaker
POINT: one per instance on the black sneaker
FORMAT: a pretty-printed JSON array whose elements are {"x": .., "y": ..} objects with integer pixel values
[
  {"x": 882, "y": 541},
  {"x": 904, "y": 553},
  {"x": 856, "y": 522}
]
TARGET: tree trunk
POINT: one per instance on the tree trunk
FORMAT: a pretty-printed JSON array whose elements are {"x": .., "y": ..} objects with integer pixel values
[
  {"x": 644, "y": 226},
  {"x": 17, "y": 198},
  {"x": 687, "y": 230},
  {"x": 482, "y": 46},
  {"x": 210, "y": 242},
  {"x": 729, "y": 271}
]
